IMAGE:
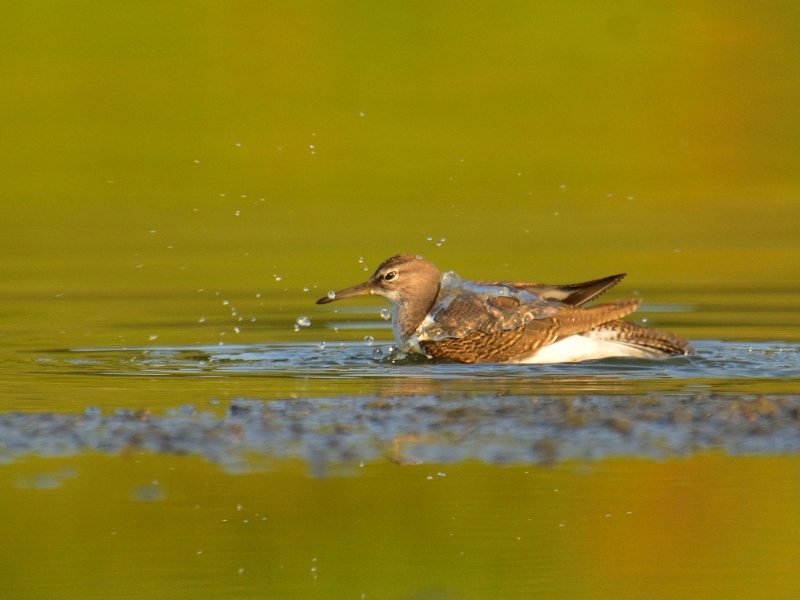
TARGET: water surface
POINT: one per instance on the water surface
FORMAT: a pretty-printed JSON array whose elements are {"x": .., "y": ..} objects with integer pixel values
[{"x": 180, "y": 181}]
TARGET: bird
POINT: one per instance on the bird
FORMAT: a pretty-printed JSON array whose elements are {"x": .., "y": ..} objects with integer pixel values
[{"x": 441, "y": 315}]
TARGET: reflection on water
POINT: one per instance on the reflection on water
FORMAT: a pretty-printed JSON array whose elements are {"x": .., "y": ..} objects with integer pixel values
[{"x": 145, "y": 525}]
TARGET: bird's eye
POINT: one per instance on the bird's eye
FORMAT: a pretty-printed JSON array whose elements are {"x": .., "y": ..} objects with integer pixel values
[{"x": 390, "y": 275}]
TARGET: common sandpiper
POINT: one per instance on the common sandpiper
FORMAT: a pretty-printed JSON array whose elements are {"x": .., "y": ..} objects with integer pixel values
[{"x": 442, "y": 315}]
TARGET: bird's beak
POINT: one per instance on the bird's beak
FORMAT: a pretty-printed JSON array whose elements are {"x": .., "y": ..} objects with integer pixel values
[{"x": 362, "y": 289}]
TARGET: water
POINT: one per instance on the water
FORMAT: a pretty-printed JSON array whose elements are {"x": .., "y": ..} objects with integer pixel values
[
  {"x": 717, "y": 363},
  {"x": 180, "y": 182},
  {"x": 225, "y": 469}
]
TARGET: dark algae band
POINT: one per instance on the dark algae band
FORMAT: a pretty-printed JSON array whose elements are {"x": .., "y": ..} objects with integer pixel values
[{"x": 490, "y": 428}]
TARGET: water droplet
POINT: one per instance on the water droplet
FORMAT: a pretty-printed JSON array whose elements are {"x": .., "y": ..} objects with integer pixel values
[
  {"x": 555, "y": 213},
  {"x": 237, "y": 213},
  {"x": 258, "y": 295},
  {"x": 563, "y": 186},
  {"x": 331, "y": 294},
  {"x": 305, "y": 289},
  {"x": 277, "y": 277},
  {"x": 644, "y": 320},
  {"x": 202, "y": 320},
  {"x": 361, "y": 113},
  {"x": 430, "y": 238},
  {"x": 239, "y": 144},
  {"x": 225, "y": 302},
  {"x": 377, "y": 353},
  {"x": 153, "y": 337},
  {"x": 386, "y": 314},
  {"x": 303, "y": 321},
  {"x": 296, "y": 327},
  {"x": 361, "y": 260},
  {"x": 321, "y": 345},
  {"x": 443, "y": 240},
  {"x": 369, "y": 340},
  {"x": 438, "y": 243},
  {"x": 236, "y": 329}
]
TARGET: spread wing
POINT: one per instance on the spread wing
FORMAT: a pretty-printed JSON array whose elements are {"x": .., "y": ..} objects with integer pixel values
[{"x": 572, "y": 294}]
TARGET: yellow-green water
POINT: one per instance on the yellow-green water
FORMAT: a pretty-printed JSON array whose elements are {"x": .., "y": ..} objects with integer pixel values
[{"x": 162, "y": 164}]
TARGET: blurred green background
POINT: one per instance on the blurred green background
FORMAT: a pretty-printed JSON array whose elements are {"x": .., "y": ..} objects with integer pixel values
[{"x": 557, "y": 141}]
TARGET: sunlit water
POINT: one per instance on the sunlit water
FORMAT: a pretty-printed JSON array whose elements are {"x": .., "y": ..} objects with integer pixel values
[
  {"x": 180, "y": 181},
  {"x": 277, "y": 467},
  {"x": 488, "y": 412},
  {"x": 715, "y": 360}
]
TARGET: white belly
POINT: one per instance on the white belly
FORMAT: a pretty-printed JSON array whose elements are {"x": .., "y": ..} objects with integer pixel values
[{"x": 583, "y": 347}]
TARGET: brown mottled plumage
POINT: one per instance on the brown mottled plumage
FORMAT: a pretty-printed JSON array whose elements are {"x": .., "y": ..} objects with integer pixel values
[{"x": 560, "y": 328}]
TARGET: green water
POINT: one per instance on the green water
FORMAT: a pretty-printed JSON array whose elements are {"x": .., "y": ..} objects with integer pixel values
[{"x": 173, "y": 176}]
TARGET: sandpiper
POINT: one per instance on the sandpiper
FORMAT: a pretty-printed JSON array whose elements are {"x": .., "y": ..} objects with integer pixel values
[{"x": 442, "y": 315}]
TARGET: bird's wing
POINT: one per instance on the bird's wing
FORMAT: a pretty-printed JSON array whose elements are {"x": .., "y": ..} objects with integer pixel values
[
  {"x": 572, "y": 294},
  {"x": 469, "y": 307},
  {"x": 507, "y": 344}
]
